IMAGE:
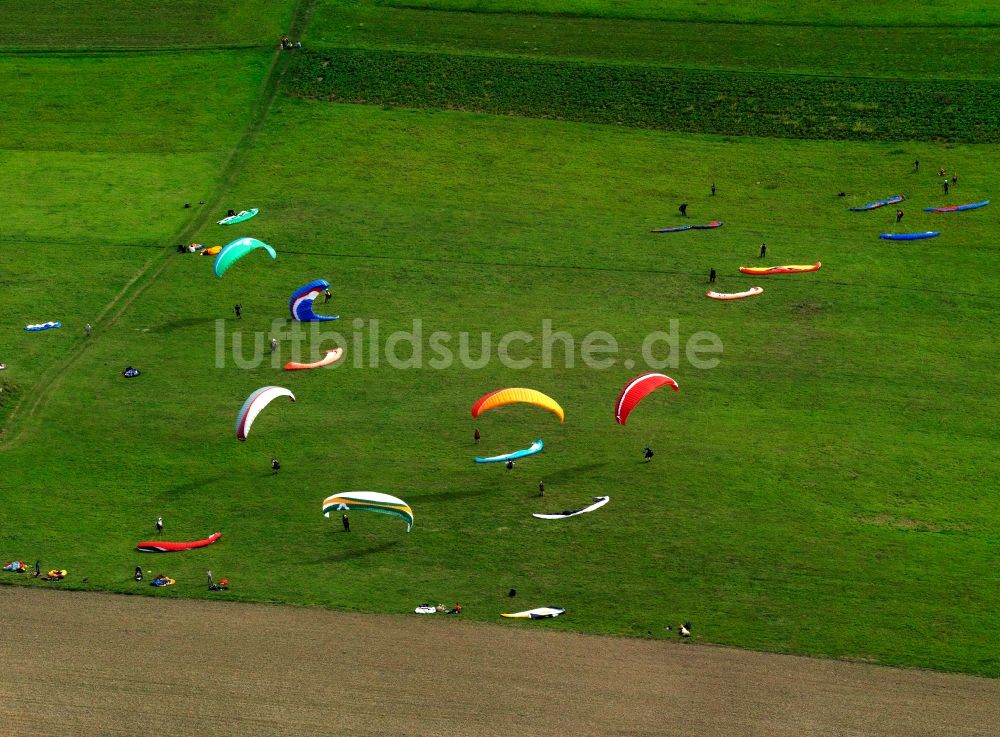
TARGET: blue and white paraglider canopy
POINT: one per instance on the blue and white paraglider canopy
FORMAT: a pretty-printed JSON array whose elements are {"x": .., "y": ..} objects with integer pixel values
[{"x": 301, "y": 302}]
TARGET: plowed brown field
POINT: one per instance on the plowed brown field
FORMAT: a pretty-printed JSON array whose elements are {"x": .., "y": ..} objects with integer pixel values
[{"x": 76, "y": 664}]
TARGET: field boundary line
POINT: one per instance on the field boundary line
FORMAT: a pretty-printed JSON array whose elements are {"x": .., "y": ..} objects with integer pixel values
[{"x": 53, "y": 377}]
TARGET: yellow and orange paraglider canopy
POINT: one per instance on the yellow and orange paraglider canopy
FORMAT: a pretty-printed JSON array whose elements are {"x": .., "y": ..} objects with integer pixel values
[{"x": 515, "y": 395}]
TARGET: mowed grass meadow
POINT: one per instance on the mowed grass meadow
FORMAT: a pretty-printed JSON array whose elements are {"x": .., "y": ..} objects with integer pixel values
[{"x": 828, "y": 488}]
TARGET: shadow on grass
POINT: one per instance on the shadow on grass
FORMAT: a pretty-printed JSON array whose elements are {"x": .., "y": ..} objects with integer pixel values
[
  {"x": 569, "y": 474},
  {"x": 445, "y": 496},
  {"x": 183, "y": 322},
  {"x": 193, "y": 485},
  {"x": 347, "y": 555}
]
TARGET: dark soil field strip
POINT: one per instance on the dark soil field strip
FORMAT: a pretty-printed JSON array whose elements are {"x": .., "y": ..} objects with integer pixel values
[
  {"x": 98, "y": 664},
  {"x": 768, "y": 105}
]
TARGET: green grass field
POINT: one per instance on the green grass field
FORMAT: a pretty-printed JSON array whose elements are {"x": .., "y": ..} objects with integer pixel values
[{"x": 828, "y": 488}]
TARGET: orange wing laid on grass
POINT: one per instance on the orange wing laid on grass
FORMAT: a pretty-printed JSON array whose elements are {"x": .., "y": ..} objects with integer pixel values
[
  {"x": 332, "y": 356},
  {"x": 790, "y": 269}
]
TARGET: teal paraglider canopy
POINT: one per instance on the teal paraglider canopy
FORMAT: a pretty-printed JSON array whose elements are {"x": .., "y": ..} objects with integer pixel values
[{"x": 236, "y": 250}]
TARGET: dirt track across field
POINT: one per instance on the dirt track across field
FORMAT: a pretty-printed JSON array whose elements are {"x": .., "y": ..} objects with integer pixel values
[{"x": 85, "y": 664}]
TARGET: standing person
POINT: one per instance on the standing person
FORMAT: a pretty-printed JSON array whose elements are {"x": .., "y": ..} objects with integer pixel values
[
  {"x": 274, "y": 345},
  {"x": 138, "y": 573},
  {"x": 346, "y": 522},
  {"x": 159, "y": 525},
  {"x": 327, "y": 296},
  {"x": 763, "y": 250},
  {"x": 238, "y": 309},
  {"x": 541, "y": 488},
  {"x": 88, "y": 329},
  {"x": 713, "y": 189},
  {"x": 711, "y": 276},
  {"x": 945, "y": 183},
  {"x": 916, "y": 165},
  {"x": 954, "y": 178},
  {"x": 476, "y": 436},
  {"x": 683, "y": 209},
  {"x": 647, "y": 454},
  {"x": 38, "y": 568},
  {"x": 209, "y": 574},
  {"x": 275, "y": 466},
  {"x": 509, "y": 465},
  {"x": 899, "y": 215}
]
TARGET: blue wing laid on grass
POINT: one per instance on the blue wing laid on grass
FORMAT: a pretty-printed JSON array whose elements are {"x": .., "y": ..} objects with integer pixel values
[
  {"x": 536, "y": 447},
  {"x": 909, "y": 236},
  {"x": 894, "y": 200}
]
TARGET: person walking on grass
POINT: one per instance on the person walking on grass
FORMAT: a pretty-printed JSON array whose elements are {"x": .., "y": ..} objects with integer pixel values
[
  {"x": 208, "y": 573},
  {"x": 238, "y": 309},
  {"x": 38, "y": 568},
  {"x": 275, "y": 466},
  {"x": 476, "y": 436},
  {"x": 763, "y": 250},
  {"x": 647, "y": 454},
  {"x": 327, "y": 296},
  {"x": 541, "y": 488},
  {"x": 159, "y": 525},
  {"x": 683, "y": 209},
  {"x": 713, "y": 189},
  {"x": 945, "y": 184},
  {"x": 916, "y": 165},
  {"x": 274, "y": 345},
  {"x": 899, "y": 215},
  {"x": 88, "y": 329},
  {"x": 711, "y": 276}
]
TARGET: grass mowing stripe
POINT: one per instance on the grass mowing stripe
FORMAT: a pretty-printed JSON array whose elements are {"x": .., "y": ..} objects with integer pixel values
[
  {"x": 136, "y": 103},
  {"x": 728, "y": 103},
  {"x": 614, "y": 269}
]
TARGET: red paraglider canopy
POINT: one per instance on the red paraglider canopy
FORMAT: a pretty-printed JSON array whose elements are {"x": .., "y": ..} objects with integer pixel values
[
  {"x": 636, "y": 389},
  {"x": 160, "y": 546}
]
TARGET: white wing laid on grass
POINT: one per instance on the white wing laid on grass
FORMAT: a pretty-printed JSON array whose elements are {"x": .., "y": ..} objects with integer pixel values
[
  {"x": 599, "y": 501},
  {"x": 542, "y": 612}
]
